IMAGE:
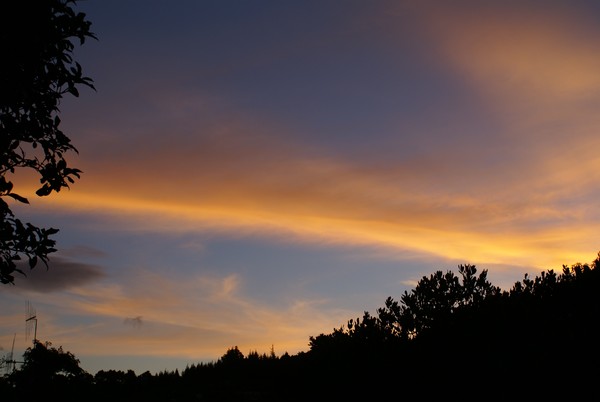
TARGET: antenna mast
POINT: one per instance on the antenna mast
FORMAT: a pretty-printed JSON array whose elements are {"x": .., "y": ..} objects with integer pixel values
[
  {"x": 9, "y": 361},
  {"x": 30, "y": 320}
]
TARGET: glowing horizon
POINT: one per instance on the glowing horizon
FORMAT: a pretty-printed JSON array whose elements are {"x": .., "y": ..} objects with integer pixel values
[{"x": 250, "y": 182}]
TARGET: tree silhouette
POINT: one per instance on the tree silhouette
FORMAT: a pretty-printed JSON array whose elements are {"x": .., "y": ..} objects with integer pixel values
[
  {"x": 405, "y": 339},
  {"x": 436, "y": 299},
  {"x": 232, "y": 357},
  {"x": 48, "y": 371},
  {"x": 37, "y": 70}
]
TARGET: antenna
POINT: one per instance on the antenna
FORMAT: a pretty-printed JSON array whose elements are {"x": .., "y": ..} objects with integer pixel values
[
  {"x": 8, "y": 360},
  {"x": 11, "y": 358},
  {"x": 30, "y": 320}
]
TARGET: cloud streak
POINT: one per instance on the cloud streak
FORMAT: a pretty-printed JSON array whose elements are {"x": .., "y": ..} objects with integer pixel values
[
  {"x": 62, "y": 274},
  {"x": 323, "y": 200}
]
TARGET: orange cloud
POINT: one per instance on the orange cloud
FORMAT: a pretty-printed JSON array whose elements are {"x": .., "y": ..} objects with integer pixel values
[
  {"x": 519, "y": 42},
  {"x": 242, "y": 174},
  {"x": 247, "y": 184},
  {"x": 538, "y": 60},
  {"x": 483, "y": 229}
]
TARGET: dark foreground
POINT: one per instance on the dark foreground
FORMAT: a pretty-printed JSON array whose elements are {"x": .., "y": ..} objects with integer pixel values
[{"x": 453, "y": 336}]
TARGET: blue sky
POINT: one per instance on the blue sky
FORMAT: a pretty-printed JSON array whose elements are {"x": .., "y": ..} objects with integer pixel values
[{"x": 259, "y": 172}]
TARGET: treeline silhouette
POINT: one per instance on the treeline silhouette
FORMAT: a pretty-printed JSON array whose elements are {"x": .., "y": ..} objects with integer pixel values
[{"x": 454, "y": 336}]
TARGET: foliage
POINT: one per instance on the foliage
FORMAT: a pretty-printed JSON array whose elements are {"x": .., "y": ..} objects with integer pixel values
[
  {"x": 44, "y": 361},
  {"x": 37, "y": 42},
  {"x": 232, "y": 357},
  {"x": 436, "y": 299},
  {"x": 49, "y": 372}
]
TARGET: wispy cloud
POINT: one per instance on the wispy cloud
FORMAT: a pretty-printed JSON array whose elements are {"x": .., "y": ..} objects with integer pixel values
[
  {"x": 192, "y": 318},
  {"x": 546, "y": 54}
]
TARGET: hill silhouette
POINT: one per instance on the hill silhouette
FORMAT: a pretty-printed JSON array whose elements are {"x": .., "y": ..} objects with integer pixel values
[{"x": 452, "y": 336}]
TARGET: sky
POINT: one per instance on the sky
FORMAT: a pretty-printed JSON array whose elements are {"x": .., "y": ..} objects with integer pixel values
[{"x": 259, "y": 172}]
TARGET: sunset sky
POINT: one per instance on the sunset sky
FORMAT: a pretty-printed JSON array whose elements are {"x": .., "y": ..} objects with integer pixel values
[{"x": 257, "y": 172}]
